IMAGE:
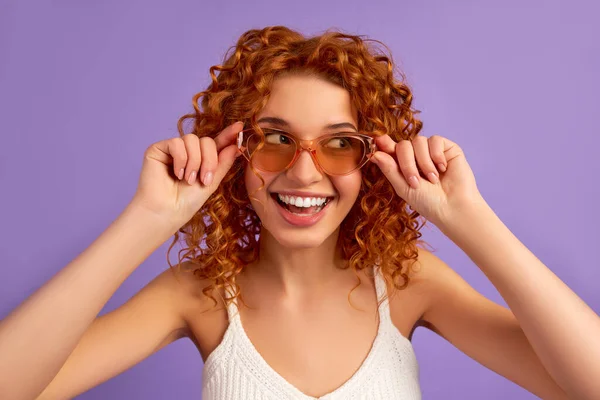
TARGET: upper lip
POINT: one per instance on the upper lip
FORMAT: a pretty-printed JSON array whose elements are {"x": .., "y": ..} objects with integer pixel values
[{"x": 297, "y": 193}]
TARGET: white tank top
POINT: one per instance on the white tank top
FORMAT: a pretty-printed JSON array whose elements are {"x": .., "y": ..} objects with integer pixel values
[{"x": 236, "y": 370}]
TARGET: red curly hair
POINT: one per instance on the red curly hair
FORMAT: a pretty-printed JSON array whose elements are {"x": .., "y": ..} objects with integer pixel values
[{"x": 380, "y": 228}]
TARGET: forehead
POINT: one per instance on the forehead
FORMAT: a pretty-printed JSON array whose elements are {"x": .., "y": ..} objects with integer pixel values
[{"x": 308, "y": 103}]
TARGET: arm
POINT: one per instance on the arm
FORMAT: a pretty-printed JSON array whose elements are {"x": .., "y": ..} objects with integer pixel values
[
  {"x": 561, "y": 329},
  {"x": 483, "y": 330},
  {"x": 118, "y": 340},
  {"x": 39, "y": 335}
]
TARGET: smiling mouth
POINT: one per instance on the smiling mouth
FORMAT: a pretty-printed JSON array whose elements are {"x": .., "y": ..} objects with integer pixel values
[{"x": 300, "y": 210}]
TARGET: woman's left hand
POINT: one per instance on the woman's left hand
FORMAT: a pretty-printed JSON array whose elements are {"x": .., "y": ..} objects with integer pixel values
[{"x": 452, "y": 187}]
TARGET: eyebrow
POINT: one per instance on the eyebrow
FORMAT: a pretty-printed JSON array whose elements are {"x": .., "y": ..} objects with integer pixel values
[{"x": 283, "y": 123}]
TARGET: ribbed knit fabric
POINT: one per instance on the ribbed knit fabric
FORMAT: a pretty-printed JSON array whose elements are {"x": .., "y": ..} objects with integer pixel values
[{"x": 236, "y": 370}]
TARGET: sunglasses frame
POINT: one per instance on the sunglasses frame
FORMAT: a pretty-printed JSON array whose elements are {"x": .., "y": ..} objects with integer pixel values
[{"x": 310, "y": 145}]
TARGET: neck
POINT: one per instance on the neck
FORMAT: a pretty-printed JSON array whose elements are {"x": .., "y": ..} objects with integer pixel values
[{"x": 298, "y": 271}]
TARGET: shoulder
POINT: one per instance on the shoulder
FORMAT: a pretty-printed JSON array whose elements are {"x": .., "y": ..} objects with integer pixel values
[
  {"x": 431, "y": 282},
  {"x": 449, "y": 305},
  {"x": 444, "y": 288},
  {"x": 186, "y": 291}
]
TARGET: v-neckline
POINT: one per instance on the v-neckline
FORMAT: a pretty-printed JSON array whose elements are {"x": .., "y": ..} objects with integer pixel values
[{"x": 283, "y": 383}]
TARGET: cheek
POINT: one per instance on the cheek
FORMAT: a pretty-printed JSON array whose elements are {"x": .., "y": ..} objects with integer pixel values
[
  {"x": 253, "y": 182},
  {"x": 348, "y": 186}
]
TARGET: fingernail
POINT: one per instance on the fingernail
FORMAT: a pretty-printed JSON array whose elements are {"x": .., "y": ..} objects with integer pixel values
[
  {"x": 414, "y": 182},
  {"x": 180, "y": 175},
  {"x": 192, "y": 177},
  {"x": 208, "y": 178},
  {"x": 433, "y": 177},
  {"x": 442, "y": 167}
]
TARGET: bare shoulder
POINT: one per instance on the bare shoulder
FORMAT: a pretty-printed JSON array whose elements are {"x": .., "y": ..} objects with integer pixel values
[
  {"x": 206, "y": 320},
  {"x": 432, "y": 282},
  {"x": 487, "y": 332},
  {"x": 189, "y": 290},
  {"x": 151, "y": 319},
  {"x": 439, "y": 284},
  {"x": 408, "y": 305}
]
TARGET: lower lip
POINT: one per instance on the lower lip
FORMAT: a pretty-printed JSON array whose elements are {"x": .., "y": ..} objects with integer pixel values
[{"x": 301, "y": 220}]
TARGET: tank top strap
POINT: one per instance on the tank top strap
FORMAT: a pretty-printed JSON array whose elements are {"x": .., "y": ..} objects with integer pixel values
[
  {"x": 232, "y": 310},
  {"x": 381, "y": 289}
]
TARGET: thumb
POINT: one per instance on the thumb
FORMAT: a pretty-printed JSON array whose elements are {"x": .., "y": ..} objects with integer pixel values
[
  {"x": 226, "y": 158},
  {"x": 391, "y": 170}
]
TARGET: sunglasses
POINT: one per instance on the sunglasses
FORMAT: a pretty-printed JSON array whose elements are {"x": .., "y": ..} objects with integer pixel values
[{"x": 334, "y": 154}]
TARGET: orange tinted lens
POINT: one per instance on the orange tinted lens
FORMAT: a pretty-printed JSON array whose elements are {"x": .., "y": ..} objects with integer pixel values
[
  {"x": 276, "y": 152},
  {"x": 340, "y": 154}
]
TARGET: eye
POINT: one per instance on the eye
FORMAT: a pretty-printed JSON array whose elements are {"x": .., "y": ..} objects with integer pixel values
[
  {"x": 339, "y": 142},
  {"x": 276, "y": 138}
]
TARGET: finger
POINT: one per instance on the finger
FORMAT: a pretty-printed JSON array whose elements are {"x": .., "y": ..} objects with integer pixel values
[
  {"x": 170, "y": 151},
  {"x": 386, "y": 143},
  {"x": 192, "y": 147},
  {"x": 226, "y": 158},
  {"x": 407, "y": 162},
  {"x": 436, "y": 150},
  {"x": 228, "y": 135},
  {"x": 176, "y": 149},
  {"x": 424, "y": 162},
  {"x": 208, "y": 155},
  {"x": 388, "y": 165}
]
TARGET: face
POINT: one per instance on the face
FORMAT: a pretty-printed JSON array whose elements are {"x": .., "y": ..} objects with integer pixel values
[{"x": 307, "y": 105}]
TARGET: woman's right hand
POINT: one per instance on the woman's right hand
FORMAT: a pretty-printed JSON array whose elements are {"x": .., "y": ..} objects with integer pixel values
[{"x": 162, "y": 192}]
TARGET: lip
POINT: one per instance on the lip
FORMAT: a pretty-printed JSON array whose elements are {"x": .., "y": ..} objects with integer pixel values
[
  {"x": 299, "y": 220},
  {"x": 297, "y": 193}
]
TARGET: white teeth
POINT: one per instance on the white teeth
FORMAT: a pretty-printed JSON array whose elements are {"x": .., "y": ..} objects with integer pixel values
[{"x": 302, "y": 201}]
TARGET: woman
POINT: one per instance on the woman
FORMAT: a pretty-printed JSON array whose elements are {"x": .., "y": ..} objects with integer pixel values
[{"x": 302, "y": 277}]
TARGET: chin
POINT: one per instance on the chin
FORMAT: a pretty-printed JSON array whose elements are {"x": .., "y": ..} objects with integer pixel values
[{"x": 300, "y": 240}]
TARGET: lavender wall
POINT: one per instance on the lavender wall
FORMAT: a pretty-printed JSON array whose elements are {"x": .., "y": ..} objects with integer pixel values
[{"x": 85, "y": 87}]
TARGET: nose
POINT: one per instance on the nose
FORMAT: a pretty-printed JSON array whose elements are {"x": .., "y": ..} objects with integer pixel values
[{"x": 304, "y": 170}]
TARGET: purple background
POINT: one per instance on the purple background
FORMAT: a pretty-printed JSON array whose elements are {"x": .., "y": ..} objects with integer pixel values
[{"x": 85, "y": 87}]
